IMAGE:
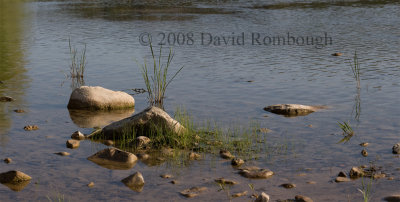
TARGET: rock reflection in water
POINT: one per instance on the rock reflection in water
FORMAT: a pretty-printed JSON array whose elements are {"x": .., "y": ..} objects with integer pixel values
[{"x": 92, "y": 119}]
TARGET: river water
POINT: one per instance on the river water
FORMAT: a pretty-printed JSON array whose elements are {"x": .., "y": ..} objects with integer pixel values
[{"x": 234, "y": 66}]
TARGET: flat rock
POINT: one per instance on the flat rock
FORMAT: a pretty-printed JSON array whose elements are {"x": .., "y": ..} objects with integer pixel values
[
  {"x": 97, "y": 98},
  {"x": 293, "y": 109},
  {"x": 226, "y": 154},
  {"x": 15, "y": 180},
  {"x": 364, "y": 144},
  {"x": 19, "y": 111},
  {"x": 146, "y": 123},
  {"x": 31, "y": 127},
  {"x": 77, "y": 135},
  {"x": 396, "y": 148},
  {"x": 192, "y": 192},
  {"x": 6, "y": 99},
  {"x": 72, "y": 144},
  {"x": 239, "y": 194},
  {"x": 134, "y": 181},
  {"x": 113, "y": 158},
  {"x": 263, "y": 197},
  {"x": 62, "y": 153},
  {"x": 255, "y": 172},
  {"x": 393, "y": 198},
  {"x": 300, "y": 198},
  {"x": 342, "y": 179},
  {"x": 225, "y": 181}
]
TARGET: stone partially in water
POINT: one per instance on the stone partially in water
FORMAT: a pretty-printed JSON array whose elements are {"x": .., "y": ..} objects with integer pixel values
[
  {"x": 226, "y": 154},
  {"x": 77, "y": 135},
  {"x": 293, "y": 109},
  {"x": 342, "y": 179},
  {"x": 396, "y": 148},
  {"x": 239, "y": 194},
  {"x": 342, "y": 174},
  {"x": 113, "y": 158},
  {"x": 62, "y": 153},
  {"x": 31, "y": 127},
  {"x": 192, "y": 192},
  {"x": 237, "y": 162},
  {"x": 151, "y": 120},
  {"x": 288, "y": 185},
  {"x": 134, "y": 181},
  {"x": 97, "y": 98},
  {"x": 263, "y": 197},
  {"x": 225, "y": 181},
  {"x": 15, "y": 180},
  {"x": 7, "y": 160},
  {"x": 300, "y": 198},
  {"x": 72, "y": 144},
  {"x": 337, "y": 54},
  {"x": 19, "y": 111},
  {"x": 6, "y": 99},
  {"x": 255, "y": 173},
  {"x": 356, "y": 172},
  {"x": 99, "y": 118},
  {"x": 364, "y": 144},
  {"x": 142, "y": 141},
  {"x": 364, "y": 153},
  {"x": 393, "y": 198},
  {"x": 194, "y": 156}
]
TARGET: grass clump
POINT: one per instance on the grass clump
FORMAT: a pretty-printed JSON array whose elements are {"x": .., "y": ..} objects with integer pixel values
[
  {"x": 155, "y": 77},
  {"x": 366, "y": 189},
  {"x": 78, "y": 61},
  {"x": 347, "y": 131}
]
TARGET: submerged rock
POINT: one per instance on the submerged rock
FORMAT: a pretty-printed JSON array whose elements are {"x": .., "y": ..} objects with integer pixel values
[
  {"x": 6, "y": 99},
  {"x": 263, "y": 197},
  {"x": 96, "y": 97},
  {"x": 113, "y": 158},
  {"x": 62, "y": 153},
  {"x": 146, "y": 123},
  {"x": 192, "y": 192},
  {"x": 226, "y": 154},
  {"x": 255, "y": 172},
  {"x": 239, "y": 194},
  {"x": 31, "y": 127},
  {"x": 72, "y": 144},
  {"x": 166, "y": 176},
  {"x": 393, "y": 198},
  {"x": 342, "y": 179},
  {"x": 293, "y": 109},
  {"x": 396, "y": 148},
  {"x": 300, "y": 198},
  {"x": 225, "y": 181},
  {"x": 134, "y": 181},
  {"x": 77, "y": 135},
  {"x": 15, "y": 180}
]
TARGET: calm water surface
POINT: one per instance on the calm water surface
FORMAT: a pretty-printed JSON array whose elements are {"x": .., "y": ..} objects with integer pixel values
[{"x": 213, "y": 85}]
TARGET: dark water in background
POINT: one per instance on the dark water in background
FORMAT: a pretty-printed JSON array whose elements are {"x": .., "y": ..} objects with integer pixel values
[{"x": 213, "y": 85}]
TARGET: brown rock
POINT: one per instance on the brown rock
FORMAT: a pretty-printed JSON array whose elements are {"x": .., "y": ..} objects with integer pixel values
[
  {"x": 77, "y": 135},
  {"x": 62, "y": 153},
  {"x": 263, "y": 197},
  {"x": 293, "y": 109},
  {"x": 113, "y": 158},
  {"x": 239, "y": 194},
  {"x": 31, "y": 127},
  {"x": 364, "y": 153},
  {"x": 142, "y": 141},
  {"x": 337, "y": 54},
  {"x": 356, "y": 172},
  {"x": 134, "y": 181},
  {"x": 7, "y": 160},
  {"x": 166, "y": 176},
  {"x": 300, "y": 198},
  {"x": 225, "y": 181},
  {"x": 255, "y": 172},
  {"x": 226, "y": 154},
  {"x": 108, "y": 142},
  {"x": 288, "y": 185},
  {"x": 237, "y": 162},
  {"x": 342, "y": 174},
  {"x": 72, "y": 144},
  {"x": 6, "y": 99},
  {"x": 396, "y": 148},
  {"x": 19, "y": 111},
  {"x": 91, "y": 184},
  {"x": 192, "y": 192},
  {"x": 194, "y": 156},
  {"x": 364, "y": 144},
  {"x": 393, "y": 198},
  {"x": 15, "y": 180},
  {"x": 342, "y": 179}
]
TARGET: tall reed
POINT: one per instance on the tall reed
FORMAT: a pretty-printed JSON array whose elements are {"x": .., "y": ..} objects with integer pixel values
[
  {"x": 355, "y": 68},
  {"x": 78, "y": 62},
  {"x": 155, "y": 78}
]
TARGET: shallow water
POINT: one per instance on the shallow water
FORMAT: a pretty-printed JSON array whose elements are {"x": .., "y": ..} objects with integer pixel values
[{"x": 212, "y": 86}]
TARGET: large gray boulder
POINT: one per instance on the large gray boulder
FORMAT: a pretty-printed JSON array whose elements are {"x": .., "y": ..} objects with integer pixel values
[
  {"x": 293, "y": 109},
  {"x": 96, "y": 97},
  {"x": 148, "y": 121}
]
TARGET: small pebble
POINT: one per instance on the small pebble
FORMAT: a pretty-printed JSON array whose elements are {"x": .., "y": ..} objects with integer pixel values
[
  {"x": 364, "y": 144},
  {"x": 174, "y": 182},
  {"x": 91, "y": 184},
  {"x": 109, "y": 142},
  {"x": 72, "y": 144},
  {"x": 364, "y": 153},
  {"x": 237, "y": 162},
  {"x": 239, "y": 194},
  {"x": 19, "y": 111},
  {"x": 62, "y": 153},
  {"x": 7, "y": 160},
  {"x": 31, "y": 127},
  {"x": 6, "y": 99},
  {"x": 337, "y": 54},
  {"x": 288, "y": 185},
  {"x": 166, "y": 176}
]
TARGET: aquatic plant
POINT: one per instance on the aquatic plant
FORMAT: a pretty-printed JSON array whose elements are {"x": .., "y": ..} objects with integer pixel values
[
  {"x": 366, "y": 189},
  {"x": 78, "y": 61},
  {"x": 156, "y": 79},
  {"x": 355, "y": 68},
  {"x": 347, "y": 131}
]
